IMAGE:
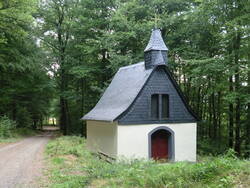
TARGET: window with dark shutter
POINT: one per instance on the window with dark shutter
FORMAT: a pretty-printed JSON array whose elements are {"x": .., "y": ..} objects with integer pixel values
[
  {"x": 155, "y": 106},
  {"x": 165, "y": 106}
]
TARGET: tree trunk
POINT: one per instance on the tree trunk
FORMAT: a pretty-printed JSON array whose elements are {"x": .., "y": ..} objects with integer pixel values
[
  {"x": 64, "y": 119},
  {"x": 231, "y": 116},
  {"x": 237, "y": 88},
  {"x": 34, "y": 124},
  {"x": 62, "y": 41},
  {"x": 210, "y": 115},
  {"x": 14, "y": 110},
  {"x": 219, "y": 114},
  {"x": 214, "y": 116},
  {"x": 247, "y": 146},
  {"x": 83, "y": 88}
]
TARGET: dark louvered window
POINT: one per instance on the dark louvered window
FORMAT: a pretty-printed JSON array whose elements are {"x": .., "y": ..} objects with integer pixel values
[
  {"x": 165, "y": 106},
  {"x": 155, "y": 106}
]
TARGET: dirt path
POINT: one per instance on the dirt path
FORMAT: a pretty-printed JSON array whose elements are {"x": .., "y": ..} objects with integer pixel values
[{"x": 21, "y": 163}]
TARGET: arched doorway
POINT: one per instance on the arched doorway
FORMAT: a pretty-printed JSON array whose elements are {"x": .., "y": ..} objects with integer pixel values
[{"x": 161, "y": 141}]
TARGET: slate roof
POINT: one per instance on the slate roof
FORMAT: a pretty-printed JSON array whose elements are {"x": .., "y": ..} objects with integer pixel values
[
  {"x": 156, "y": 42},
  {"x": 127, "y": 84},
  {"x": 123, "y": 90},
  {"x": 121, "y": 93}
]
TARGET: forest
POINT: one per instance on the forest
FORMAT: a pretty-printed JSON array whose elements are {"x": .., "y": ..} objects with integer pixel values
[{"x": 58, "y": 56}]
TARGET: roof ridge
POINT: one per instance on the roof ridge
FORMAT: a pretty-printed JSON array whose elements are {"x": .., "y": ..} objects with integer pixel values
[{"x": 131, "y": 66}]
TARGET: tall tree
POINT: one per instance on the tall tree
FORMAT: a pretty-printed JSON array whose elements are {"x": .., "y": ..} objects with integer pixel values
[
  {"x": 23, "y": 75},
  {"x": 56, "y": 19}
]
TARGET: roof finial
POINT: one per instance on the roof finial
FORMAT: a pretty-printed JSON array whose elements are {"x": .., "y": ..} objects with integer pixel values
[{"x": 156, "y": 19}]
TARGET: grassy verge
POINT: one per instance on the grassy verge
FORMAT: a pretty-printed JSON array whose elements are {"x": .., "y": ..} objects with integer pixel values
[
  {"x": 72, "y": 166},
  {"x": 17, "y": 134}
]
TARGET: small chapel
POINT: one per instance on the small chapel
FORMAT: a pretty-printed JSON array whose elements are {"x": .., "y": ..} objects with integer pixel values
[{"x": 143, "y": 112}]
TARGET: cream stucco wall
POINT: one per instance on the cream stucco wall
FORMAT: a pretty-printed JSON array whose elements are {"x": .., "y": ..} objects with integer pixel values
[
  {"x": 102, "y": 137},
  {"x": 132, "y": 140}
]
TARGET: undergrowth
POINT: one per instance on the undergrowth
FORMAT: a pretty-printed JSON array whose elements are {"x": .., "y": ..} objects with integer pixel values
[
  {"x": 71, "y": 165},
  {"x": 10, "y": 133}
]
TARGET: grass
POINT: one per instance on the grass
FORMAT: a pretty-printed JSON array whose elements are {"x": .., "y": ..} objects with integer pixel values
[
  {"x": 72, "y": 166},
  {"x": 17, "y": 134}
]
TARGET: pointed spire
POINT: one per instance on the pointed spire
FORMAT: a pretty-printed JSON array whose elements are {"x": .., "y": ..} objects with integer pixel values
[
  {"x": 156, "y": 42},
  {"x": 155, "y": 54}
]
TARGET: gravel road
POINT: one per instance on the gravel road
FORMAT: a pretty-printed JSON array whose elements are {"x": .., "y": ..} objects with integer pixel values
[{"x": 21, "y": 163}]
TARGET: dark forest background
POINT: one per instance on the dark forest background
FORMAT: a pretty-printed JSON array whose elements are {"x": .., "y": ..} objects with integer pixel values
[{"x": 58, "y": 56}]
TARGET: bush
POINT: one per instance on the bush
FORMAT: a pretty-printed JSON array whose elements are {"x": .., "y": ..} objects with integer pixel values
[
  {"x": 6, "y": 127},
  {"x": 208, "y": 146},
  {"x": 24, "y": 118}
]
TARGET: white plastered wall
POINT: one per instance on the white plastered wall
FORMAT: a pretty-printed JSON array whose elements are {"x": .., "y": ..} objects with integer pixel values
[
  {"x": 102, "y": 137},
  {"x": 132, "y": 140}
]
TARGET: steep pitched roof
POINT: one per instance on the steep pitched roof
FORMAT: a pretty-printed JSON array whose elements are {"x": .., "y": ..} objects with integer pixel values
[
  {"x": 177, "y": 88},
  {"x": 121, "y": 93},
  {"x": 156, "y": 42},
  {"x": 128, "y": 82}
]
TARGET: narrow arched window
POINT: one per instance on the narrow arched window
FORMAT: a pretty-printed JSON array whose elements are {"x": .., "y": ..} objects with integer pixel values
[
  {"x": 165, "y": 106},
  {"x": 155, "y": 106}
]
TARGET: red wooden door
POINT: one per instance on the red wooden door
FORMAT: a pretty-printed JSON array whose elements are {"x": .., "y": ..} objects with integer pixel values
[{"x": 159, "y": 144}]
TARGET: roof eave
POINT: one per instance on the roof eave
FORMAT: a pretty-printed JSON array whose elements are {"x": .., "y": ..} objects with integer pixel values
[
  {"x": 156, "y": 49},
  {"x": 91, "y": 119}
]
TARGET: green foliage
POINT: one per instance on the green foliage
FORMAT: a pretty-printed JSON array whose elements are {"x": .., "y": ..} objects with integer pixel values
[
  {"x": 24, "y": 132},
  {"x": 9, "y": 131},
  {"x": 207, "y": 147},
  {"x": 74, "y": 166},
  {"x": 65, "y": 53},
  {"x": 6, "y": 127},
  {"x": 25, "y": 86},
  {"x": 18, "y": 134},
  {"x": 24, "y": 118},
  {"x": 95, "y": 38}
]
